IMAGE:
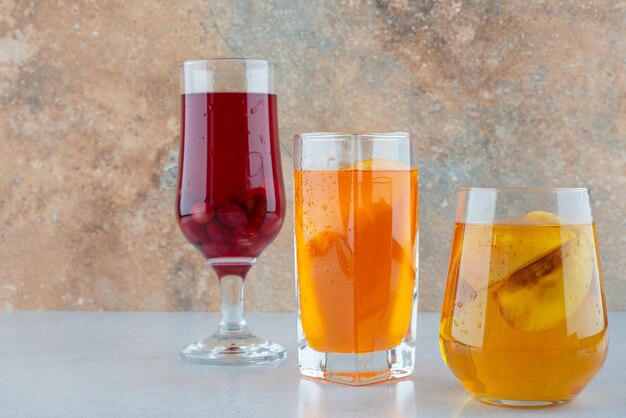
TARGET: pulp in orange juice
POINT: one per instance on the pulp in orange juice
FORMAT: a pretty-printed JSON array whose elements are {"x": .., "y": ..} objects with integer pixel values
[
  {"x": 356, "y": 234},
  {"x": 523, "y": 315}
]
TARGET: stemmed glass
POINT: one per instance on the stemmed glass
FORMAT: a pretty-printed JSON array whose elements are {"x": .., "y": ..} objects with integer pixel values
[{"x": 231, "y": 201}]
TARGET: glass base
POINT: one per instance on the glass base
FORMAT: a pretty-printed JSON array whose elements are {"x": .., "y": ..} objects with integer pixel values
[
  {"x": 520, "y": 403},
  {"x": 357, "y": 369},
  {"x": 233, "y": 350}
]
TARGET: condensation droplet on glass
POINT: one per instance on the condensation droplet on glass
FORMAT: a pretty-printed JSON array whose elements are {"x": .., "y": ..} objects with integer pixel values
[
  {"x": 460, "y": 304},
  {"x": 456, "y": 323},
  {"x": 330, "y": 160},
  {"x": 262, "y": 139},
  {"x": 255, "y": 108},
  {"x": 463, "y": 322},
  {"x": 479, "y": 325}
]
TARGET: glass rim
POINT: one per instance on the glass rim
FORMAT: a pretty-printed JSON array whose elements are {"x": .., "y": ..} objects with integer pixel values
[
  {"x": 505, "y": 189},
  {"x": 352, "y": 135},
  {"x": 225, "y": 59}
]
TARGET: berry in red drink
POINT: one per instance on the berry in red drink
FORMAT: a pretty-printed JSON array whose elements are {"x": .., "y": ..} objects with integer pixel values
[
  {"x": 243, "y": 238},
  {"x": 193, "y": 231},
  {"x": 231, "y": 215},
  {"x": 202, "y": 213},
  {"x": 271, "y": 226},
  {"x": 258, "y": 245},
  {"x": 256, "y": 206},
  {"x": 218, "y": 232},
  {"x": 214, "y": 249}
]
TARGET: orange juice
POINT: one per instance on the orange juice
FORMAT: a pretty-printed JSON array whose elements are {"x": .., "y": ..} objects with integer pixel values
[
  {"x": 523, "y": 315},
  {"x": 356, "y": 233}
]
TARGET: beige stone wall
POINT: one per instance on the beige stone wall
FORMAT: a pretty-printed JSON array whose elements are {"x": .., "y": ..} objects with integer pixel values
[{"x": 499, "y": 93}]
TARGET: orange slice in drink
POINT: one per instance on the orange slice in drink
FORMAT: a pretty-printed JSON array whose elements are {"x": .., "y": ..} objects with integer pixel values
[
  {"x": 322, "y": 242},
  {"x": 378, "y": 164},
  {"x": 383, "y": 192}
]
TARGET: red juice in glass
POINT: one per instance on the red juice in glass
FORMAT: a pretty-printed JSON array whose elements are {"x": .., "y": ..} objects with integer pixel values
[
  {"x": 230, "y": 199},
  {"x": 231, "y": 202}
]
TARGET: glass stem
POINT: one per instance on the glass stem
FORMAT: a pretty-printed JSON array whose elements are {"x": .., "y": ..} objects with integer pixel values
[{"x": 232, "y": 305}]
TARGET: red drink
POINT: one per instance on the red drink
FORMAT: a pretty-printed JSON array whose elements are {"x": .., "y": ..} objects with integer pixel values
[
  {"x": 230, "y": 199},
  {"x": 230, "y": 202}
]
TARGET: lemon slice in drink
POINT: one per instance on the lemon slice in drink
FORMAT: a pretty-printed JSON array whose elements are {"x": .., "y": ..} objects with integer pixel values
[
  {"x": 542, "y": 294},
  {"x": 543, "y": 218},
  {"x": 490, "y": 253}
]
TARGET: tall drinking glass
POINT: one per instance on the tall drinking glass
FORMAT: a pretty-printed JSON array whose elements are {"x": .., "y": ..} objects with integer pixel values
[
  {"x": 523, "y": 321},
  {"x": 230, "y": 202},
  {"x": 356, "y": 251}
]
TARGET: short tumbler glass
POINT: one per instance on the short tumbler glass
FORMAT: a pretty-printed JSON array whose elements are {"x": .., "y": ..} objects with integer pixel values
[
  {"x": 523, "y": 321},
  {"x": 356, "y": 239}
]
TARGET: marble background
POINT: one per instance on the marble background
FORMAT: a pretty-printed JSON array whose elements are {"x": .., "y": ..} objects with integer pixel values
[{"x": 498, "y": 93}]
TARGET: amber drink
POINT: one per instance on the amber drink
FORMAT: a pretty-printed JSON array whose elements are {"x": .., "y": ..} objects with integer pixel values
[
  {"x": 523, "y": 320},
  {"x": 356, "y": 251}
]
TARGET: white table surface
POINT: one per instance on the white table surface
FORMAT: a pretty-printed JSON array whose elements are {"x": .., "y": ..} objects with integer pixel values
[{"x": 126, "y": 364}]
